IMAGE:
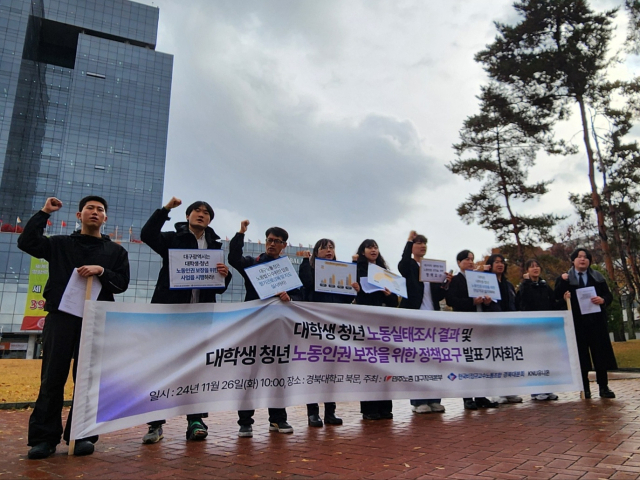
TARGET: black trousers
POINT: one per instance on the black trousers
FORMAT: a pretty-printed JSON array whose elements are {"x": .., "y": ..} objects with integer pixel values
[
  {"x": 60, "y": 345},
  {"x": 276, "y": 415},
  {"x": 314, "y": 408}
]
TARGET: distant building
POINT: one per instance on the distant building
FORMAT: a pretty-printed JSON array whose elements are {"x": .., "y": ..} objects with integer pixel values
[{"x": 84, "y": 109}]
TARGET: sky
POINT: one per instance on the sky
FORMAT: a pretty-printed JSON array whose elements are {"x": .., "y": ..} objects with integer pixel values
[{"x": 336, "y": 119}]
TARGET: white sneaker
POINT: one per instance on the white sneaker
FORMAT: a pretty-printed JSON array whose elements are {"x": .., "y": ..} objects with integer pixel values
[
  {"x": 500, "y": 400},
  {"x": 514, "y": 399},
  {"x": 541, "y": 397},
  {"x": 436, "y": 407},
  {"x": 552, "y": 396},
  {"x": 421, "y": 408}
]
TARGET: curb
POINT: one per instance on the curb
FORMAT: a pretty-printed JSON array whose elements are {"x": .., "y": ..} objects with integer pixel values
[{"x": 23, "y": 405}]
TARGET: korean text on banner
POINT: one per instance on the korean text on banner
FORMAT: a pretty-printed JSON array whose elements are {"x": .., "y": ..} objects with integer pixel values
[
  {"x": 273, "y": 354},
  {"x": 434, "y": 271},
  {"x": 34, "y": 314},
  {"x": 195, "y": 268},
  {"x": 481, "y": 284},
  {"x": 271, "y": 278},
  {"x": 335, "y": 277}
]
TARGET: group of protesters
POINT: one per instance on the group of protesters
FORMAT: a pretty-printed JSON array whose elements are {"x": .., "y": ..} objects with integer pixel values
[{"x": 90, "y": 253}]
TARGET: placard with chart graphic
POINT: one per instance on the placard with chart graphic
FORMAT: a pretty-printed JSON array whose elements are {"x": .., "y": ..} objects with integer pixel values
[{"x": 335, "y": 277}]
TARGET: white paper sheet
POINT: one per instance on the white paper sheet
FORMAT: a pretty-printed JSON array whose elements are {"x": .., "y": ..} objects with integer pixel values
[
  {"x": 584, "y": 300},
  {"x": 384, "y": 278},
  {"x": 367, "y": 287},
  {"x": 74, "y": 295}
]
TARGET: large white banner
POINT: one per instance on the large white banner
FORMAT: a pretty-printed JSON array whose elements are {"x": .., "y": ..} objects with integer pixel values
[{"x": 140, "y": 363}]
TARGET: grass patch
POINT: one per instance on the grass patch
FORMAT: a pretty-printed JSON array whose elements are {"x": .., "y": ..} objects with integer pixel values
[
  {"x": 627, "y": 353},
  {"x": 20, "y": 381}
]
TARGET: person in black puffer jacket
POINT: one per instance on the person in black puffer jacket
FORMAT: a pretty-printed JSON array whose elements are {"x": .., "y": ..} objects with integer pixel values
[
  {"x": 193, "y": 234},
  {"x": 323, "y": 249}
]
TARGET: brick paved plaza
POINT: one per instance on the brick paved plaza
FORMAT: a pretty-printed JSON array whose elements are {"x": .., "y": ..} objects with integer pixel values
[{"x": 566, "y": 439}]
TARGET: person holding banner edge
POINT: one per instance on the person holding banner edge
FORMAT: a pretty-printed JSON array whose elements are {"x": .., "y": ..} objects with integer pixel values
[
  {"x": 194, "y": 234},
  {"x": 275, "y": 243},
  {"x": 323, "y": 249},
  {"x": 459, "y": 300},
  {"x": 592, "y": 335},
  {"x": 367, "y": 253},
  {"x": 91, "y": 254},
  {"x": 420, "y": 297}
]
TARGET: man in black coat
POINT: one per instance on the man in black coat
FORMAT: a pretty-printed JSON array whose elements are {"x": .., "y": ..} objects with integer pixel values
[
  {"x": 420, "y": 297},
  {"x": 275, "y": 243},
  {"x": 194, "y": 234},
  {"x": 91, "y": 254},
  {"x": 592, "y": 334}
]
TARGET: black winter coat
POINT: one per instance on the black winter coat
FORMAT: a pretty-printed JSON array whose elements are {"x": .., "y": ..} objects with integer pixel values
[
  {"x": 68, "y": 252},
  {"x": 458, "y": 295},
  {"x": 307, "y": 276},
  {"x": 410, "y": 270},
  {"x": 535, "y": 297},
  {"x": 376, "y": 299},
  {"x": 240, "y": 262},
  {"x": 591, "y": 326},
  {"x": 161, "y": 242}
]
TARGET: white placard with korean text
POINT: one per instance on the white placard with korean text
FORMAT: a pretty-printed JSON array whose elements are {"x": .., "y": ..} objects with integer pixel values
[
  {"x": 482, "y": 284},
  {"x": 335, "y": 277},
  {"x": 271, "y": 278},
  {"x": 191, "y": 268},
  {"x": 434, "y": 271},
  {"x": 243, "y": 356},
  {"x": 380, "y": 277}
]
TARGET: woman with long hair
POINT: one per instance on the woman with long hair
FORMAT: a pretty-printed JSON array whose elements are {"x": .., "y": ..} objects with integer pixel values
[
  {"x": 324, "y": 249},
  {"x": 367, "y": 253}
]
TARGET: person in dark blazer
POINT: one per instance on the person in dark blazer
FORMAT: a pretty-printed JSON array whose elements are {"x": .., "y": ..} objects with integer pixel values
[
  {"x": 458, "y": 299},
  {"x": 592, "y": 334},
  {"x": 194, "y": 234},
  {"x": 367, "y": 253},
  {"x": 420, "y": 296},
  {"x": 323, "y": 249}
]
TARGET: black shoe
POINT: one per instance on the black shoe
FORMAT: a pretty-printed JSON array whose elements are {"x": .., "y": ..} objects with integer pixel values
[
  {"x": 483, "y": 402},
  {"x": 606, "y": 393},
  {"x": 83, "y": 447},
  {"x": 40, "y": 451},
  {"x": 331, "y": 419},
  {"x": 245, "y": 431},
  {"x": 587, "y": 394},
  {"x": 386, "y": 416},
  {"x": 197, "y": 430},
  {"x": 315, "y": 420},
  {"x": 371, "y": 416},
  {"x": 470, "y": 405}
]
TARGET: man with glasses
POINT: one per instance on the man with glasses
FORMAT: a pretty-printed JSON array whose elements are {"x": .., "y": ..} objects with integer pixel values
[
  {"x": 196, "y": 234},
  {"x": 276, "y": 241}
]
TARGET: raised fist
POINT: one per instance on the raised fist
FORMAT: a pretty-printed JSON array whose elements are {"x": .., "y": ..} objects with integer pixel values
[
  {"x": 243, "y": 226},
  {"x": 52, "y": 205},
  {"x": 173, "y": 203}
]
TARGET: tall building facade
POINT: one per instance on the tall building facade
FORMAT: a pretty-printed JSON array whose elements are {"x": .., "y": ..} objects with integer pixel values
[{"x": 84, "y": 109}]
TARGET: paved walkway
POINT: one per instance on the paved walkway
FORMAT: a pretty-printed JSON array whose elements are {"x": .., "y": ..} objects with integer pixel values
[{"x": 566, "y": 439}]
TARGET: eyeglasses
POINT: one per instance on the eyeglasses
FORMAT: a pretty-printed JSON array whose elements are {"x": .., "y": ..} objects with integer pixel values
[{"x": 275, "y": 241}]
